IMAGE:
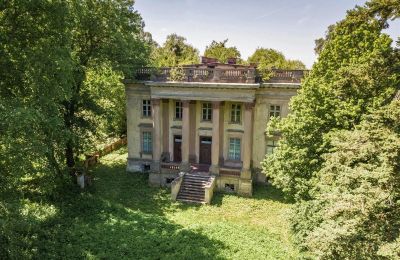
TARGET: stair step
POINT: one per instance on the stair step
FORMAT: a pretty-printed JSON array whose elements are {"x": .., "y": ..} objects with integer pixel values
[
  {"x": 192, "y": 192},
  {"x": 191, "y": 201},
  {"x": 188, "y": 196},
  {"x": 195, "y": 189},
  {"x": 197, "y": 177}
]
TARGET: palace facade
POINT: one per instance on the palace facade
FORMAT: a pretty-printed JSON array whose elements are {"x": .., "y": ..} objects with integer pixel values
[{"x": 207, "y": 119}]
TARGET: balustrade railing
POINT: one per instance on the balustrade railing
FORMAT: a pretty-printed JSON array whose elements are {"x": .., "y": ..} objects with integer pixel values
[{"x": 232, "y": 75}]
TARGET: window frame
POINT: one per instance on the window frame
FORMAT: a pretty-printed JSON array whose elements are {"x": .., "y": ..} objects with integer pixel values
[
  {"x": 146, "y": 108},
  {"x": 236, "y": 113},
  {"x": 236, "y": 154},
  {"x": 178, "y": 112},
  {"x": 147, "y": 144},
  {"x": 206, "y": 111},
  {"x": 270, "y": 149},
  {"x": 275, "y": 110}
]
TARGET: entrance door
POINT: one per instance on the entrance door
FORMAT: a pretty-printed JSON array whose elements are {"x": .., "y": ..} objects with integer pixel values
[
  {"x": 205, "y": 150},
  {"x": 177, "y": 148}
]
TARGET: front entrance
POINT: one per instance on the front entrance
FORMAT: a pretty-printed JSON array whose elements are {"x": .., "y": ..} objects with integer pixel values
[
  {"x": 205, "y": 150},
  {"x": 177, "y": 148}
]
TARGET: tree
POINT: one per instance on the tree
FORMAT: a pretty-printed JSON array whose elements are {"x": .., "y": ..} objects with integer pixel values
[
  {"x": 356, "y": 73},
  {"x": 268, "y": 59},
  {"x": 35, "y": 73},
  {"x": 60, "y": 78},
  {"x": 355, "y": 207},
  {"x": 221, "y": 52},
  {"x": 340, "y": 149},
  {"x": 175, "y": 52},
  {"x": 102, "y": 33}
]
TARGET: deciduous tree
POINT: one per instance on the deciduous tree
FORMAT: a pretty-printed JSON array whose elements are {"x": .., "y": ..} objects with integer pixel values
[
  {"x": 221, "y": 52},
  {"x": 174, "y": 52}
]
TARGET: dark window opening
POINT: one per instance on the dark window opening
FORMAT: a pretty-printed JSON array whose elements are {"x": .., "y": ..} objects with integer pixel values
[
  {"x": 229, "y": 187},
  {"x": 169, "y": 180}
]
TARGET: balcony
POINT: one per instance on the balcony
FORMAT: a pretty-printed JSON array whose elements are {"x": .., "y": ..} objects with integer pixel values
[{"x": 235, "y": 74}]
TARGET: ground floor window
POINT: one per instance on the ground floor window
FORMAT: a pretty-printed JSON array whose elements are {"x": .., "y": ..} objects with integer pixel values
[
  {"x": 234, "y": 149},
  {"x": 147, "y": 143},
  {"x": 271, "y": 146}
]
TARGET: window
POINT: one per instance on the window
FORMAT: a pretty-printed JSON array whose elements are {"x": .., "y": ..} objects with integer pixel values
[
  {"x": 147, "y": 142},
  {"x": 236, "y": 113},
  {"x": 275, "y": 111},
  {"x": 234, "y": 149},
  {"x": 178, "y": 110},
  {"x": 271, "y": 146},
  {"x": 206, "y": 112},
  {"x": 146, "y": 108}
]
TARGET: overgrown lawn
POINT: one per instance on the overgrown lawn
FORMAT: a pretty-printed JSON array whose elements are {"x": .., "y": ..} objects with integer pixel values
[{"x": 120, "y": 216}]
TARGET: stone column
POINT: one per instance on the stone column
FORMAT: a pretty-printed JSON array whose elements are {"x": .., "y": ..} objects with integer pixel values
[
  {"x": 248, "y": 130},
  {"x": 185, "y": 166},
  {"x": 214, "y": 168},
  {"x": 156, "y": 134},
  {"x": 165, "y": 133}
]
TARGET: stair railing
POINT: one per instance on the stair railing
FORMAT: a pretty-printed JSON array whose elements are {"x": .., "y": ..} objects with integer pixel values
[
  {"x": 209, "y": 190},
  {"x": 176, "y": 186}
]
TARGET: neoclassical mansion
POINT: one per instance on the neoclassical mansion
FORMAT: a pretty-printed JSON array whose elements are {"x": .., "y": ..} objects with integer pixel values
[{"x": 205, "y": 130}]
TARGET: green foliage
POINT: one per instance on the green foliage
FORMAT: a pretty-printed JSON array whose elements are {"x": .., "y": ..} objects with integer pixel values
[
  {"x": 267, "y": 59},
  {"x": 356, "y": 199},
  {"x": 174, "y": 52},
  {"x": 340, "y": 152},
  {"x": 35, "y": 73},
  {"x": 177, "y": 74},
  {"x": 357, "y": 72},
  {"x": 60, "y": 72},
  {"x": 221, "y": 52},
  {"x": 121, "y": 217}
]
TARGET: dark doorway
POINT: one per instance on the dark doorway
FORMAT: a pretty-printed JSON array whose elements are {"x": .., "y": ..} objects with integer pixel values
[
  {"x": 205, "y": 150},
  {"x": 177, "y": 148}
]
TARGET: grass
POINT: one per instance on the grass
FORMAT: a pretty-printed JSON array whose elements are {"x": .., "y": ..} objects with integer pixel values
[{"x": 121, "y": 217}]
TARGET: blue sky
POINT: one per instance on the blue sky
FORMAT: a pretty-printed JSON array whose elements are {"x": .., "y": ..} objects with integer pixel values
[{"x": 290, "y": 26}]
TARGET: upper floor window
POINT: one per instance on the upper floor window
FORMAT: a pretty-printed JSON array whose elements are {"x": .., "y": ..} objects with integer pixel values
[
  {"x": 274, "y": 110},
  {"x": 147, "y": 142},
  {"x": 234, "y": 149},
  {"x": 146, "y": 108},
  {"x": 178, "y": 110},
  {"x": 271, "y": 146},
  {"x": 236, "y": 112},
  {"x": 206, "y": 114}
]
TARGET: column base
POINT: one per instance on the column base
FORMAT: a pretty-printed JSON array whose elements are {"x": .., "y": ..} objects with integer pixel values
[
  {"x": 245, "y": 187},
  {"x": 245, "y": 174},
  {"x": 214, "y": 169},
  {"x": 155, "y": 166},
  {"x": 184, "y": 167}
]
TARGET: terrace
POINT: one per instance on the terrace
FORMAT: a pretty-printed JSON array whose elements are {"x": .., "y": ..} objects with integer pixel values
[{"x": 218, "y": 73}]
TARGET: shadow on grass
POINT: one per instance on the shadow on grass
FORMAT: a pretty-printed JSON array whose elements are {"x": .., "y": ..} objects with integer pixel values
[{"x": 119, "y": 217}]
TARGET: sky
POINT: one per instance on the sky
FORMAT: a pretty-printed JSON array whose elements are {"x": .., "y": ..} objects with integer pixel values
[{"x": 290, "y": 26}]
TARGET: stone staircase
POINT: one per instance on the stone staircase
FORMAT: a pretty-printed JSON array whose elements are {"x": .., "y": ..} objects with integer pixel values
[{"x": 192, "y": 189}]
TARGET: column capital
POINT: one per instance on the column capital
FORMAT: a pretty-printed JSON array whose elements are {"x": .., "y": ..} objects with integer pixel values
[
  {"x": 185, "y": 102},
  {"x": 216, "y": 104},
  {"x": 155, "y": 101},
  {"x": 249, "y": 105}
]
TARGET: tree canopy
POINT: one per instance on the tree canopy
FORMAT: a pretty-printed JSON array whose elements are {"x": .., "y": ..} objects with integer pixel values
[
  {"x": 270, "y": 58},
  {"x": 174, "y": 52},
  {"x": 339, "y": 152},
  {"x": 221, "y": 52},
  {"x": 60, "y": 79}
]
